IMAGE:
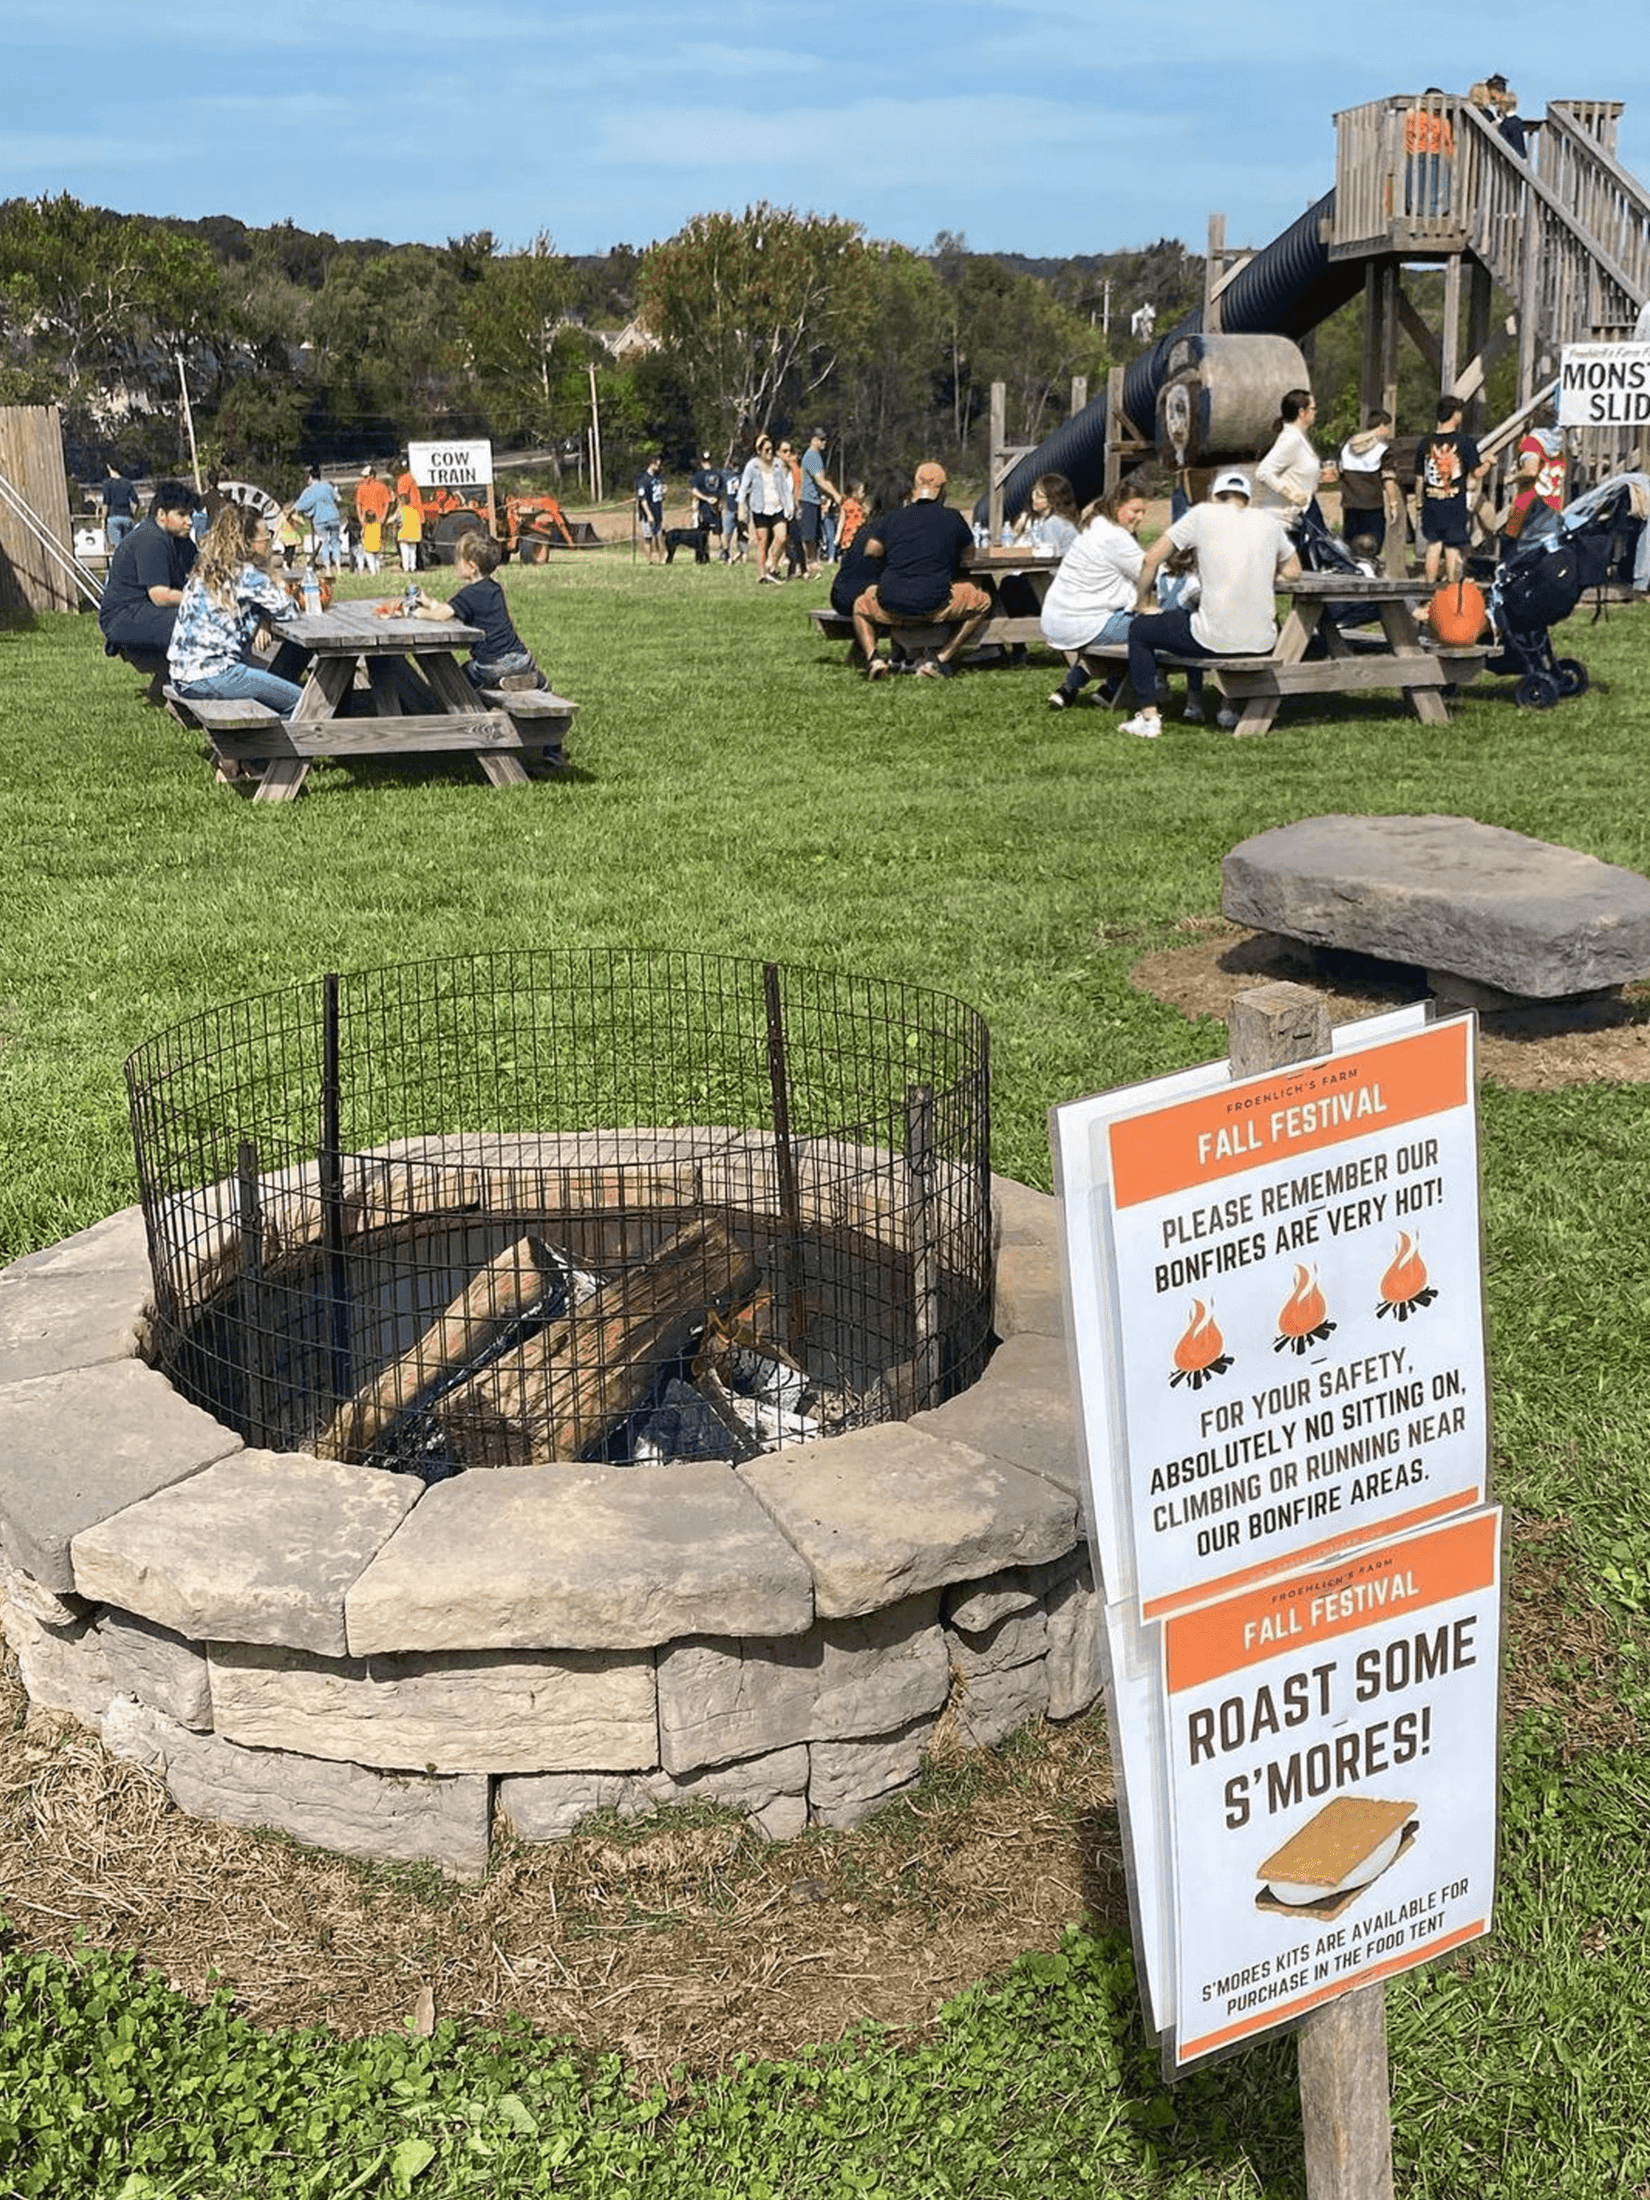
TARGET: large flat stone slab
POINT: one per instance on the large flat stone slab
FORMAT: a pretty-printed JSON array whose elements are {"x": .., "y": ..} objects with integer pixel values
[
  {"x": 580, "y": 1558},
  {"x": 258, "y": 1548},
  {"x": 1023, "y": 1414},
  {"x": 504, "y": 1711},
  {"x": 884, "y": 1512},
  {"x": 392, "y": 1818},
  {"x": 1460, "y": 898},
  {"x": 79, "y": 1447},
  {"x": 721, "y": 1700}
]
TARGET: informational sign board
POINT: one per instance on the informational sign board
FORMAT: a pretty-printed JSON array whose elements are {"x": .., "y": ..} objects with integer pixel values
[
  {"x": 1331, "y": 1757},
  {"x": 451, "y": 465},
  {"x": 1275, "y": 1317},
  {"x": 1284, "y": 1347},
  {"x": 1604, "y": 386}
]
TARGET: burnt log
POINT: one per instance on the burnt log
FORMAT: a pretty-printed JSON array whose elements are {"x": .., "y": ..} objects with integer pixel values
[
  {"x": 494, "y": 1300},
  {"x": 563, "y": 1389}
]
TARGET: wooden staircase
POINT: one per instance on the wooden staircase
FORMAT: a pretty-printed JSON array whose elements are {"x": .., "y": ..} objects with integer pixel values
[{"x": 1565, "y": 232}]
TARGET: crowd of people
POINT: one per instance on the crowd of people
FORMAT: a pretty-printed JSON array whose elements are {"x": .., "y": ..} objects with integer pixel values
[{"x": 193, "y": 603}]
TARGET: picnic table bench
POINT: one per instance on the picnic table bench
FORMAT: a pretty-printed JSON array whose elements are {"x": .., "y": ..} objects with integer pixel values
[
  {"x": 381, "y": 687},
  {"x": 1399, "y": 658},
  {"x": 1005, "y": 628}
]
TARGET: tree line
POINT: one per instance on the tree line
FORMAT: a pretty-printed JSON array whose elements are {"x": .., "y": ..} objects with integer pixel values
[{"x": 297, "y": 347}]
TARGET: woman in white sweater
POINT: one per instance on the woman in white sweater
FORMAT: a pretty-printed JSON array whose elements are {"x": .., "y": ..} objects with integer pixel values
[
  {"x": 1091, "y": 598},
  {"x": 1286, "y": 480}
]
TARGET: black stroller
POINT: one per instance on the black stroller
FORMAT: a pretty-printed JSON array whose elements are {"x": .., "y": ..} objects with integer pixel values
[{"x": 1544, "y": 575}]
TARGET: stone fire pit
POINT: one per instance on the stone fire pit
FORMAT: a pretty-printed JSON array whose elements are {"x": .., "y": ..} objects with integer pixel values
[{"x": 392, "y": 1670}]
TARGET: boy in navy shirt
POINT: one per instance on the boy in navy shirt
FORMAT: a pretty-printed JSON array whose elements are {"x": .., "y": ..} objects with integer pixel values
[
  {"x": 480, "y": 602},
  {"x": 650, "y": 508}
]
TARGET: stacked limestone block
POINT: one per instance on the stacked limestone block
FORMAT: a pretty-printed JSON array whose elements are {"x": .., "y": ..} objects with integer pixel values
[{"x": 393, "y": 1672}]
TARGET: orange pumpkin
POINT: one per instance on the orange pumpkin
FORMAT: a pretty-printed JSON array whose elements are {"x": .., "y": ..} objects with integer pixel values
[{"x": 1457, "y": 613}]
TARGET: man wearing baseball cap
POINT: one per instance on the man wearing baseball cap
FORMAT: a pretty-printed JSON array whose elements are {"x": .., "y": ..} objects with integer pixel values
[
  {"x": 924, "y": 552},
  {"x": 819, "y": 491},
  {"x": 706, "y": 483},
  {"x": 1241, "y": 556}
]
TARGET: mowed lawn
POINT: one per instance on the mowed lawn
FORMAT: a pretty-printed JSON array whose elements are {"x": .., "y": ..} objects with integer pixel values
[{"x": 739, "y": 791}]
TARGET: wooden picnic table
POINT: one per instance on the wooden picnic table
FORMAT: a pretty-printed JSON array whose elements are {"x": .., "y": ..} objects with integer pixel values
[
  {"x": 1347, "y": 664},
  {"x": 386, "y": 686},
  {"x": 1400, "y": 659}
]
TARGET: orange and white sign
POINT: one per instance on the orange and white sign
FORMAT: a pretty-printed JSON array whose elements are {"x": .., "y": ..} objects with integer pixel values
[
  {"x": 1330, "y": 1746},
  {"x": 1285, "y": 1352}
]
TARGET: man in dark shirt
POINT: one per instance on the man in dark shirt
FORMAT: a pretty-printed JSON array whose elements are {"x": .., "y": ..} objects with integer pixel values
[
  {"x": 706, "y": 485},
  {"x": 119, "y": 507},
  {"x": 924, "y": 552},
  {"x": 650, "y": 507},
  {"x": 146, "y": 576}
]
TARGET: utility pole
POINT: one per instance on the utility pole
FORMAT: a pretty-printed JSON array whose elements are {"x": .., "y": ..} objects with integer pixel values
[{"x": 189, "y": 421}]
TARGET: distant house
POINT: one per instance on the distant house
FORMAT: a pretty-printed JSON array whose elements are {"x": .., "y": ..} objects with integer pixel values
[{"x": 633, "y": 341}]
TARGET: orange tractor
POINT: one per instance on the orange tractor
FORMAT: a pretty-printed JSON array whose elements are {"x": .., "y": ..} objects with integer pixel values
[{"x": 531, "y": 526}]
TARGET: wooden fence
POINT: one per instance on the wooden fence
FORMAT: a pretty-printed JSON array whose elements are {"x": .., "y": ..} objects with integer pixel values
[{"x": 31, "y": 463}]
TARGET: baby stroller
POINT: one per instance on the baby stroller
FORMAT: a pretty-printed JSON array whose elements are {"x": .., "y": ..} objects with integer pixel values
[{"x": 1544, "y": 575}]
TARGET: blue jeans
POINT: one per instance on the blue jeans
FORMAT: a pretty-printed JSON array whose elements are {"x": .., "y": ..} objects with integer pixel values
[
  {"x": 245, "y": 683},
  {"x": 118, "y": 526},
  {"x": 1169, "y": 631}
]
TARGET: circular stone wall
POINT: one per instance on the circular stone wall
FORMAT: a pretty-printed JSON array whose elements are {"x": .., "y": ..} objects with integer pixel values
[{"x": 389, "y": 1670}]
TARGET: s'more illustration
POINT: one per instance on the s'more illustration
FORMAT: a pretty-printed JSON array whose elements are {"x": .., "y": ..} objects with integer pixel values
[{"x": 1330, "y": 1860}]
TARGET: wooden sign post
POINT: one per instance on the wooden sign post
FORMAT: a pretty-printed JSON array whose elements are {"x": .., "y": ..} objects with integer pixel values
[{"x": 1346, "y": 2115}]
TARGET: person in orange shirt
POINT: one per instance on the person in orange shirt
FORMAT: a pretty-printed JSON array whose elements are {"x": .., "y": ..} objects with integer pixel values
[
  {"x": 409, "y": 507},
  {"x": 372, "y": 508},
  {"x": 1429, "y": 143},
  {"x": 852, "y": 517}
]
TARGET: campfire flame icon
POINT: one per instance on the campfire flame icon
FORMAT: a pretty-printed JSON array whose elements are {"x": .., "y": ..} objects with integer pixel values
[
  {"x": 1201, "y": 1352},
  {"x": 1303, "y": 1317},
  {"x": 1404, "y": 1287}
]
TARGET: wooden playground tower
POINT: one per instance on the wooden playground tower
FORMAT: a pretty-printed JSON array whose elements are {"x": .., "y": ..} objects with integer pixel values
[{"x": 1561, "y": 230}]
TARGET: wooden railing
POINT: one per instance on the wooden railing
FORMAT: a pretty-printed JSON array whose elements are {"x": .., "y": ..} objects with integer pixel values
[
  {"x": 1576, "y": 162},
  {"x": 1564, "y": 231}
]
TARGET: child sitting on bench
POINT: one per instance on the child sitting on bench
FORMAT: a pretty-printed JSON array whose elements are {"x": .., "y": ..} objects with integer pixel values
[{"x": 501, "y": 653}]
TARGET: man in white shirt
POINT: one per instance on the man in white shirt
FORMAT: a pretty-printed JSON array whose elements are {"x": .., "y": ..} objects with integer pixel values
[{"x": 1242, "y": 554}]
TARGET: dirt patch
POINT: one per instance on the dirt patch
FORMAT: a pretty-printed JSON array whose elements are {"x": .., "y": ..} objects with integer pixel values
[
  {"x": 1536, "y": 1049},
  {"x": 684, "y": 1939}
]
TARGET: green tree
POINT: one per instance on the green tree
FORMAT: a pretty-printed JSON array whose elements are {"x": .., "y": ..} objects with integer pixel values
[
  {"x": 756, "y": 309},
  {"x": 1010, "y": 328},
  {"x": 888, "y": 398},
  {"x": 512, "y": 320},
  {"x": 89, "y": 296}
]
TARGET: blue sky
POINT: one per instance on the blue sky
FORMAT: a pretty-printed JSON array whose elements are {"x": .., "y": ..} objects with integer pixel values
[{"x": 1028, "y": 125}]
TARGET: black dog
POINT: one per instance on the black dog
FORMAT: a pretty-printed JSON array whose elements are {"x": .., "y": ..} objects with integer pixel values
[{"x": 678, "y": 538}]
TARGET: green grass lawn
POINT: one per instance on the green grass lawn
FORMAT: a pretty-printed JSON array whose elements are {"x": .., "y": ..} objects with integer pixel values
[{"x": 739, "y": 791}]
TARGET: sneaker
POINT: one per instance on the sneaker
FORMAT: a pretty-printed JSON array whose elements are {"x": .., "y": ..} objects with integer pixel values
[
  {"x": 936, "y": 668},
  {"x": 1226, "y": 718},
  {"x": 1147, "y": 728},
  {"x": 1193, "y": 714},
  {"x": 1060, "y": 700},
  {"x": 877, "y": 669}
]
